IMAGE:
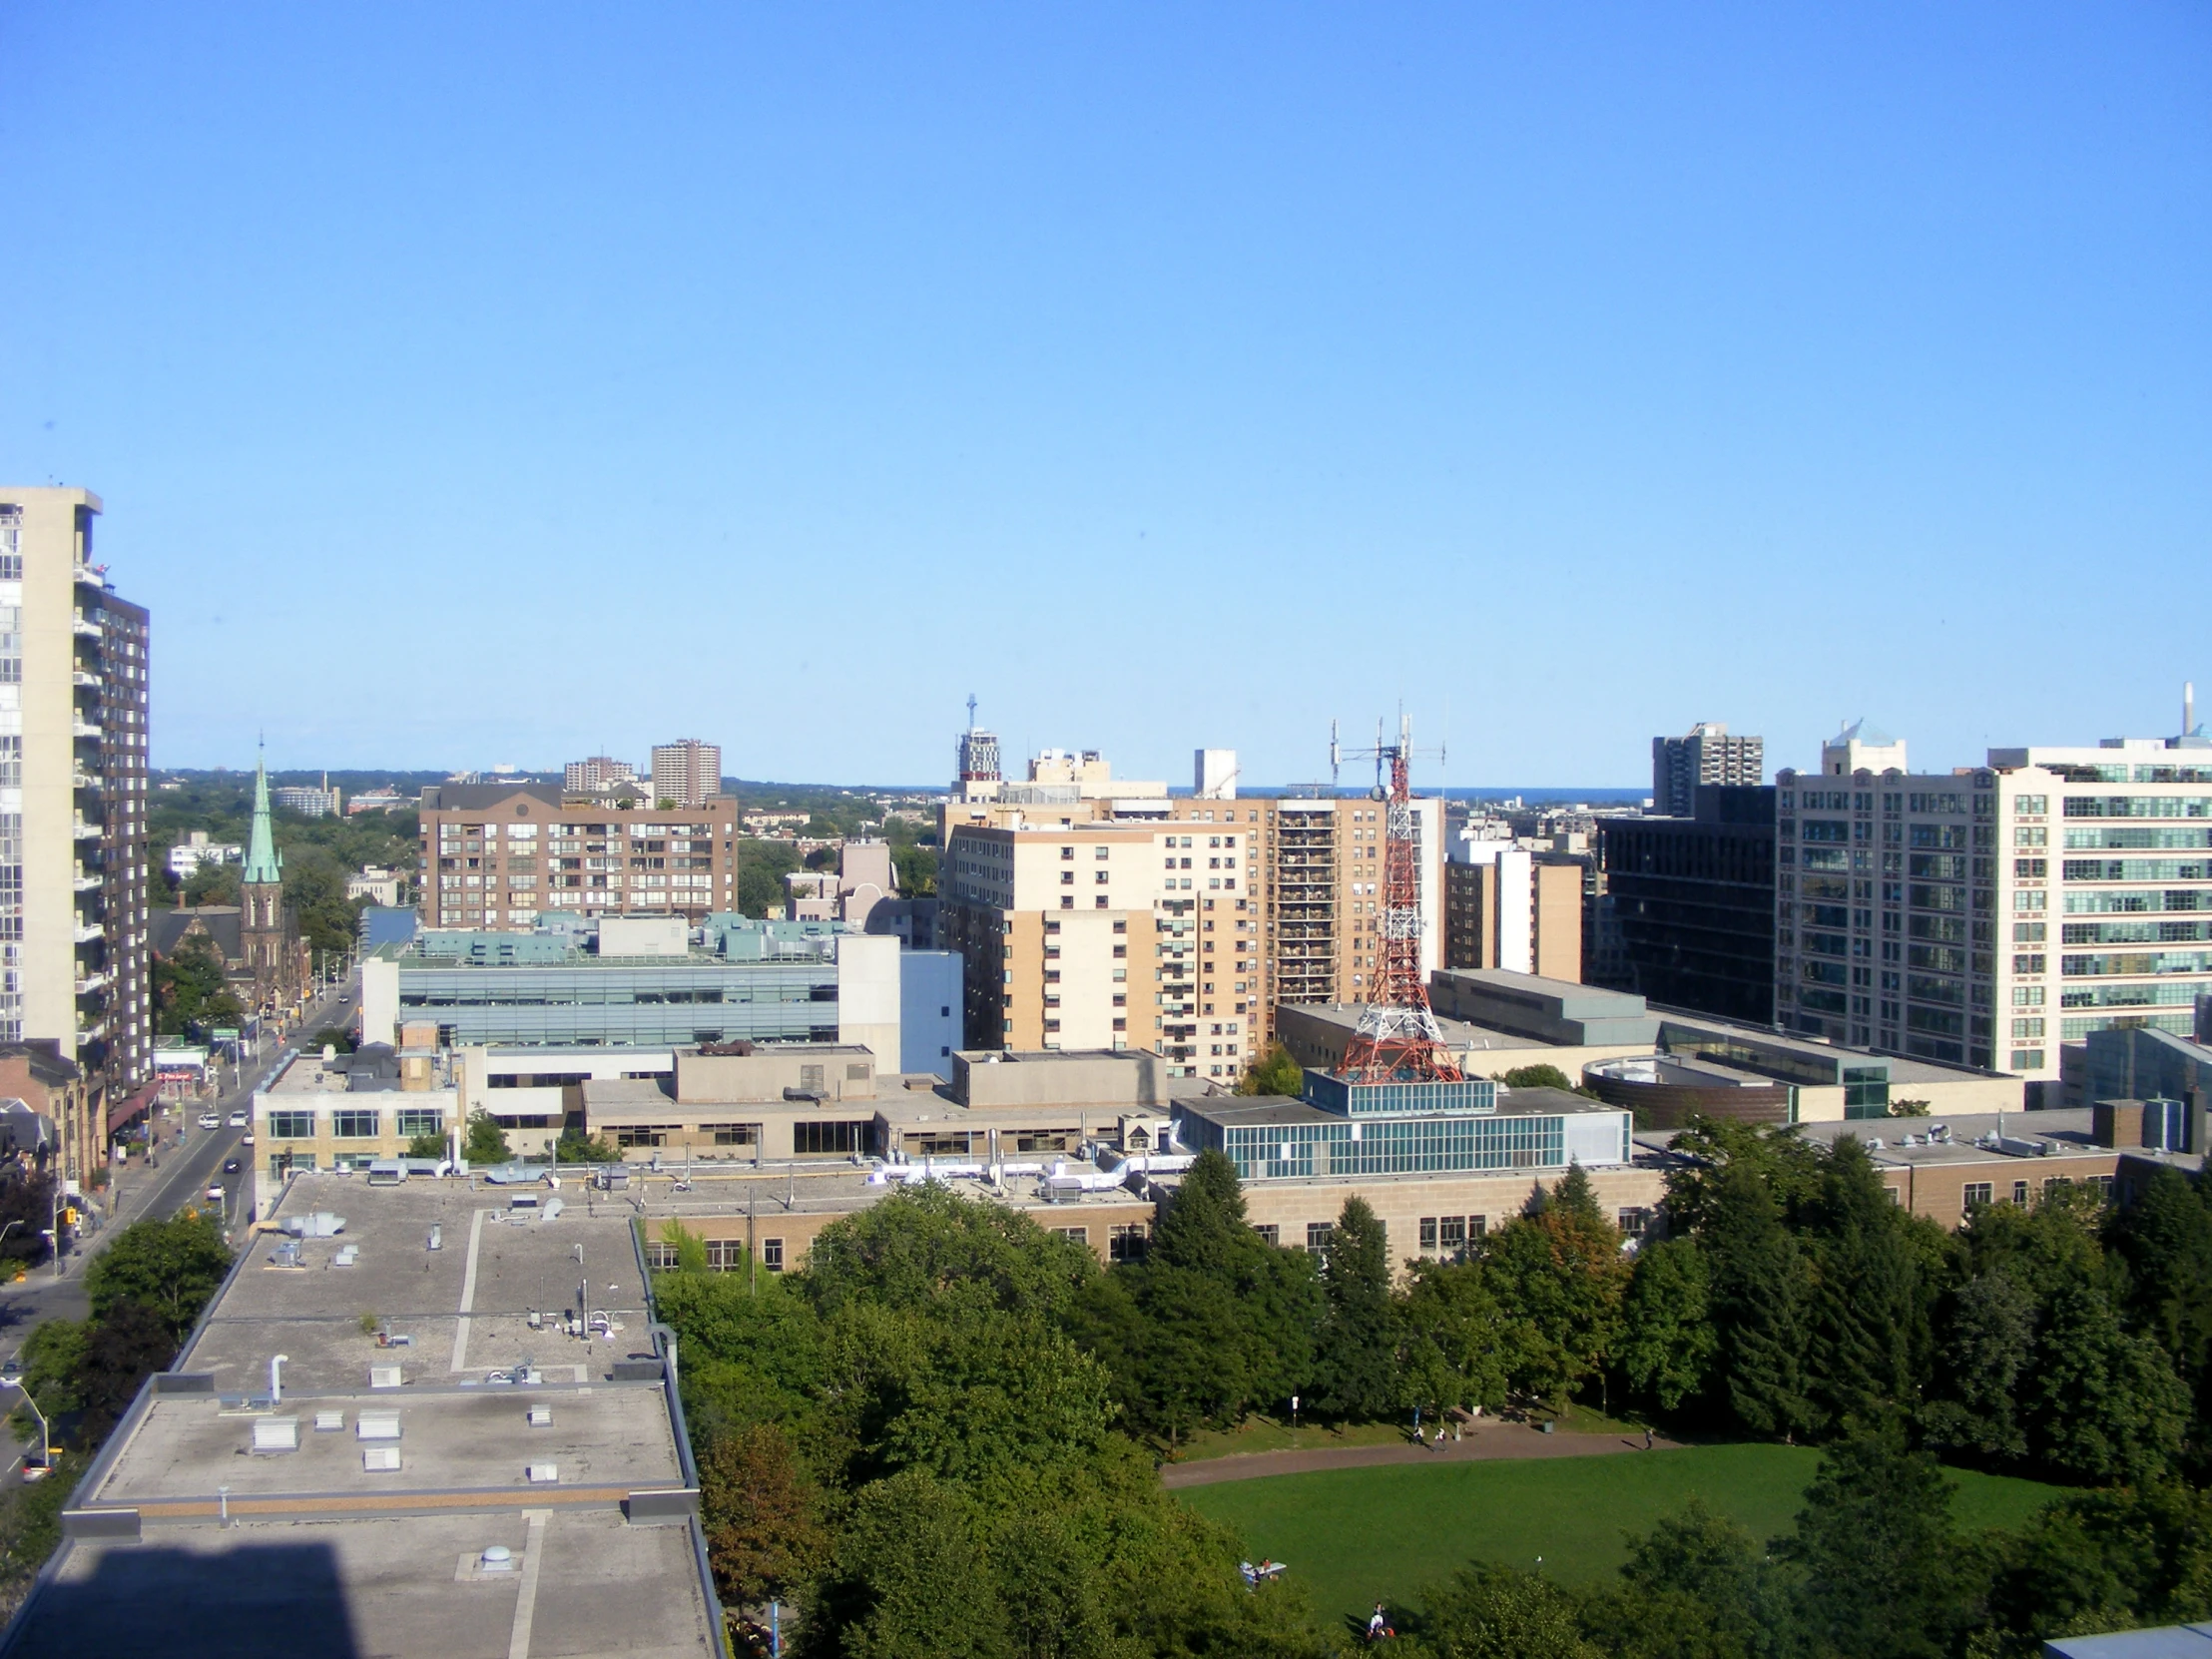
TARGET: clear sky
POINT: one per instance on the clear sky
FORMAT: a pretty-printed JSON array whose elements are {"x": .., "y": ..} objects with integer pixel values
[{"x": 472, "y": 385}]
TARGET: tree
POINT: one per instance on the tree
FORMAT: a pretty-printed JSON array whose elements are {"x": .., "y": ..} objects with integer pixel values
[
  {"x": 2162, "y": 1246},
  {"x": 1666, "y": 1346},
  {"x": 1560, "y": 1275},
  {"x": 1537, "y": 1077},
  {"x": 168, "y": 1267},
  {"x": 690, "y": 1247},
  {"x": 1451, "y": 1339},
  {"x": 1695, "y": 1588},
  {"x": 1884, "y": 1577},
  {"x": 580, "y": 1146},
  {"x": 1988, "y": 1344},
  {"x": 426, "y": 1146},
  {"x": 2102, "y": 1404},
  {"x": 1488, "y": 1612},
  {"x": 123, "y": 1348},
  {"x": 190, "y": 989},
  {"x": 1274, "y": 1073},
  {"x": 315, "y": 886},
  {"x": 54, "y": 1366},
  {"x": 332, "y": 1037},
  {"x": 2114, "y": 1559},
  {"x": 761, "y": 1514},
  {"x": 1353, "y": 1360},
  {"x": 486, "y": 1142},
  {"x": 907, "y": 1579},
  {"x": 26, "y": 1196},
  {"x": 1757, "y": 1301},
  {"x": 1867, "y": 1320}
]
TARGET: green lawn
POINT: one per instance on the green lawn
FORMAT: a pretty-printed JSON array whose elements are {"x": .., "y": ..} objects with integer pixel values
[{"x": 1356, "y": 1536}]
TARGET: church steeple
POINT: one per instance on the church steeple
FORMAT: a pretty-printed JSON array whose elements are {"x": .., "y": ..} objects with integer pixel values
[{"x": 263, "y": 866}]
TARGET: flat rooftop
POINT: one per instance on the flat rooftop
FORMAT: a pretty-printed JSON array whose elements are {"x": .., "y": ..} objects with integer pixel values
[{"x": 360, "y": 1502}]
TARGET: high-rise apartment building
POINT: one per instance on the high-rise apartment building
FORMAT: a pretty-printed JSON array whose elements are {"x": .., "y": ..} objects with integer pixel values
[
  {"x": 687, "y": 773},
  {"x": 598, "y": 774},
  {"x": 1989, "y": 917},
  {"x": 307, "y": 799},
  {"x": 1221, "y": 908},
  {"x": 73, "y": 756},
  {"x": 1507, "y": 908},
  {"x": 1708, "y": 755},
  {"x": 1694, "y": 899},
  {"x": 502, "y": 855}
]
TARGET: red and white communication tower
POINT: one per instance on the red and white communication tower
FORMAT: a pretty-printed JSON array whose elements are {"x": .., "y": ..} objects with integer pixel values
[{"x": 1397, "y": 1036}]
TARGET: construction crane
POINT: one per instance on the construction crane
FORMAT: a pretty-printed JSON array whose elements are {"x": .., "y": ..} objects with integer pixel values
[{"x": 1397, "y": 1037}]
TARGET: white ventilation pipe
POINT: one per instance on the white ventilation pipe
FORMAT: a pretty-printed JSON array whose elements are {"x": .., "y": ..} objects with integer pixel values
[{"x": 277, "y": 1377}]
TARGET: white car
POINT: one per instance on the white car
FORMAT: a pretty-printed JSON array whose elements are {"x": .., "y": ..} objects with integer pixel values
[
  {"x": 207, "y": 1120},
  {"x": 246, "y": 1139},
  {"x": 216, "y": 1193},
  {"x": 238, "y": 1120}
]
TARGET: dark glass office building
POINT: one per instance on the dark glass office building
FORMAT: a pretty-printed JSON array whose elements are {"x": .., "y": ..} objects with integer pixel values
[{"x": 1694, "y": 899}]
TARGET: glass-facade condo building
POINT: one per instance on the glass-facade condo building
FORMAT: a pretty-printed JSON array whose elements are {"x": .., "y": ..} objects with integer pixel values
[{"x": 1986, "y": 917}]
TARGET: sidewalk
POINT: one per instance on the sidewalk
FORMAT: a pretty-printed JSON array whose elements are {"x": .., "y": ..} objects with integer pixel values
[{"x": 1486, "y": 1442}]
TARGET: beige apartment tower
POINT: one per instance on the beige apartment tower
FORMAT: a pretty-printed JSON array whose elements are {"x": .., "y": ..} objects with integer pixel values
[
  {"x": 687, "y": 773},
  {"x": 73, "y": 751}
]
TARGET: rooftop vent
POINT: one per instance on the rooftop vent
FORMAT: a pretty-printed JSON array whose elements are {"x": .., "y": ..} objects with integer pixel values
[
  {"x": 384, "y": 1376},
  {"x": 277, "y": 1435},
  {"x": 377, "y": 1426},
  {"x": 496, "y": 1558},
  {"x": 544, "y": 1475},
  {"x": 381, "y": 1460},
  {"x": 541, "y": 1416},
  {"x": 330, "y": 1422}
]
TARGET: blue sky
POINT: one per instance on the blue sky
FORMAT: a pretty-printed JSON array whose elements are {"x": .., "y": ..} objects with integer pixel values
[{"x": 477, "y": 385}]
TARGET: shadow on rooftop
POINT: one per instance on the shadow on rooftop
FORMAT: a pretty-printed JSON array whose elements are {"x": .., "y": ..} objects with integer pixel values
[{"x": 254, "y": 1601}]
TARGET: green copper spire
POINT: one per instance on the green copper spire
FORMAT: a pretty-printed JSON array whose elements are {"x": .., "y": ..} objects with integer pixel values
[{"x": 262, "y": 863}]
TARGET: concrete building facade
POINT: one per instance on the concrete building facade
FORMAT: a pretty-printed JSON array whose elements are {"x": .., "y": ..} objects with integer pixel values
[
  {"x": 502, "y": 855},
  {"x": 1990, "y": 916},
  {"x": 1708, "y": 755},
  {"x": 1508, "y": 908},
  {"x": 687, "y": 773},
  {"x": 73, "y": 706}
]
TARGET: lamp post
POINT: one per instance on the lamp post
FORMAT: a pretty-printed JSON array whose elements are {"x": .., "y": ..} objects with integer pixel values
[{"x": 45, "y": 1435}]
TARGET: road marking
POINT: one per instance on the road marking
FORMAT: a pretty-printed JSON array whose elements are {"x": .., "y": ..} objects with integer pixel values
[{"x": 526, "y": 1599}]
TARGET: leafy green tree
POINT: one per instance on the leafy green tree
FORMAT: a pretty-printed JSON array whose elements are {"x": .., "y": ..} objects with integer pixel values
[
  {"x": 189, "y": 990},
  {"x": 124, "y": 1346},
  {"x": 926, "y": 1245},
  {"x": 315, "y": 886},
  {"x": 1537, "y": 1077},
  {"x": 485, "y": 1142},
  {"x": 2117, "y": 1558},
  {"x": 332, "y": 1037},
  {"x": 1758, "y": 1294},
  {"x": 1274, "y": 1073},
  {"x": 689, "y": 1247},
  {"x": 1884, "y": 1574},
  {"x": 2160, "y": 1245},
  {"x": 54, "y": 1366},
  {"x": 426, "y": 1146},
  {"x": 1560, "y": 1275},
  {"x": 1988, "y": 1345},
  {"x": 214, "y": 883},
  {"x": 1711, "y": 1151},
  {"x": 908, "y": 1580},
  {"x": 168, "y": 1267},
  {"x": 1451, "y": 1340},
  {"x": 1697, "y": 1586},
  {"x": 2102, "y": 1404},
  {"x": 580, "y": 1146},
  {"x": 26, "y": 1198},
  {"x": 1488, "y": 1612},
  {"x": 1355, "y": 1358},
  {"x": 1666, "y": 1346},
  {"x": 917, "y": 867},
  {"x": 1194, "y": 1365}
]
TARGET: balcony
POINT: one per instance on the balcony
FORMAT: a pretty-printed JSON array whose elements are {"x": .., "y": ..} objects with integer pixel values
[
  {"x": 89, "y": 883},
  {"x": 84, "y": 729},
  {"x": 83, "y": 779},
  {"x": 85, "y": 681},
  {"x": 90, "y": 932},
  {"x": 84, "y": 626},
  {"x": 83, "y": 830},
  {"x": 92, "y": 982}
]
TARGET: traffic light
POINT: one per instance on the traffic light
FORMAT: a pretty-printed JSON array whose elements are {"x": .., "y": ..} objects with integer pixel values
[{"x": 69, "y": 1216}]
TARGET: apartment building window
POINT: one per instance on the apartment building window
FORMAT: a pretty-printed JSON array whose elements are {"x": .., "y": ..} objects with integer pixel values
[
  {"x": 1127, "y": 1242},
  {"x": 1067, "y": 901},
  {"x": 816, "y": 1139},
  {"x": 643, "y": 1134},
  {"x": 772, "y": 1255},
  {"x": 1073, "y": 1234},
  {"x": 2019, "y": 1194},
  {"x": 1268, "y": 1231},
  {"x": 290, "y": 1126},
  {"x": 1318, "y": 1234},
  {"x": 1067, "y": 878},
  {"x": 1975, "y": 1192},
  {"x": 417, "y": 1120},
  {"x": 732, "y": 1134},
  {"x": 353, "y": 1123}
]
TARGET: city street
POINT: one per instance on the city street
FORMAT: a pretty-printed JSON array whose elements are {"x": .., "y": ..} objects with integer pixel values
[{"x": 190, "y": 1161}]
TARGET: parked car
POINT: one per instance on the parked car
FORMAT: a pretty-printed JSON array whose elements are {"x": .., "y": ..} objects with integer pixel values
[
  {"x": 230, "y": 1166},
  {"x": 207, "y": 1120},
  {"x": 238, "y": 1120}
]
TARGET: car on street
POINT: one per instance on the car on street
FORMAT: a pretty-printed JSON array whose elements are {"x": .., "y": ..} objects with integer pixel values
[
  {"x": 246, "y": 1139},
  {"x": 230, "y": 1166},
  {"x": 238, "y": 1120},
  {"x": 207, "y": 1120},
  {"x": 216, "y": 1193}
]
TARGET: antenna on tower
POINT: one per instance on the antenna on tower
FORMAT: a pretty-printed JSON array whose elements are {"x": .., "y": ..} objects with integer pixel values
[
  {"x": 971, "y": 711},
  {"x": 1336, "y": 757}
]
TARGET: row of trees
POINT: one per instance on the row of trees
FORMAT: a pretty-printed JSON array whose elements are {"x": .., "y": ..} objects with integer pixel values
[
  {"x": 921, "y": 1442},
  {"x": 1793, "y": 1301},
  {"x": 1873, "y": 1569}
]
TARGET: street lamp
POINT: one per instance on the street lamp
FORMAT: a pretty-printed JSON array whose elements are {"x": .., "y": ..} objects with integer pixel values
[{"x": 45, "y": 1435}]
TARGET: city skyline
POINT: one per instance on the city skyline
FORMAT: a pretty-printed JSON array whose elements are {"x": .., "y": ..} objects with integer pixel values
[{"x": 1565, "y": 379}]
